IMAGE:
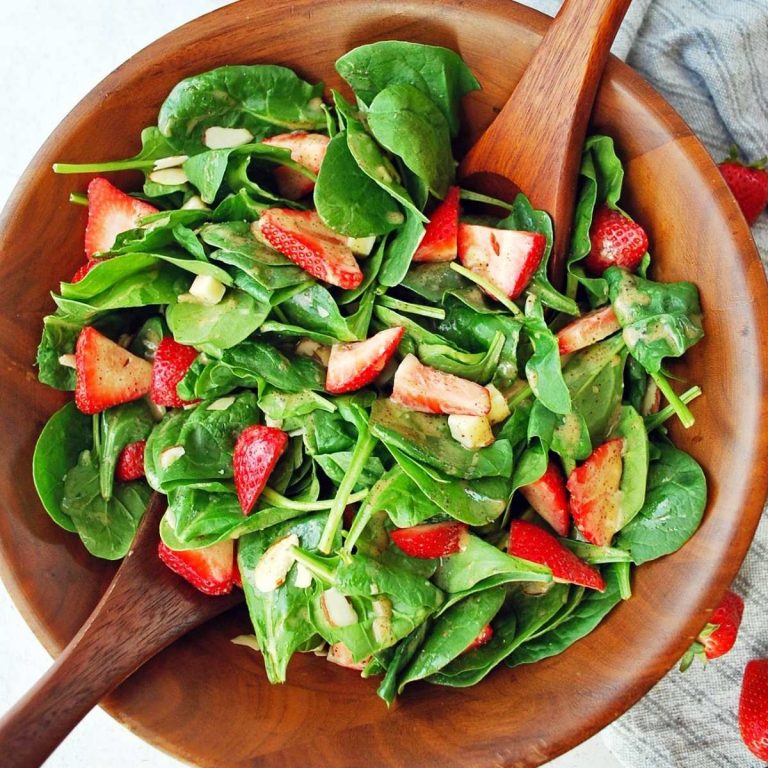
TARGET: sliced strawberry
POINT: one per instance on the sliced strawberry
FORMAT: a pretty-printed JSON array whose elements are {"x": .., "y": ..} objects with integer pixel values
[
  {"x": 483, "y": 638},
  {"x": 719, "y": 635},
  {"x": 110, "y": 212},
  {"x": 753, "y": 708},
  {"x": 237, "y": 578},
  {"x": 83, "y": 270},
  {"x": 748, "y": 183},
  {"x": 651, "y": 402},
  {"x": 306, "y": 241},
  {"x": 107, "y": 374},
  {"x": 210, "y": 569},
  {"x": 594, "y": 488},
  {"x": 530, "y": 542},
  {"x": 428, "y": 390},
  {"x": 307, "y": 149},
  {"x": 431, "y": 539},
  {"x": 440, "y": 242},
  {"x": 506, "y": 257},
  {"x": 130, "y": 462},
  {"x": 172, "y": 361},
  {"x": 257, "y": 450},
  {"x": 358, "y": 363},
  {"x": 587, "y": 330},
  {"x": 550, "y": 499},
  {"x": 616, "y": 241}
]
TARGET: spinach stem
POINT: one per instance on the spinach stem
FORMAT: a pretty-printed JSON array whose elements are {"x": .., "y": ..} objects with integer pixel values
[
  {"x": 313, "y": 565},
  {"x": 488, "y": 287},
  {"x": 362, "y": 518},
  {"x": 278, "y": 500},
  {"x": 78, "y": 199},
  {"x": 115, "y": 165},
  {"x": 518, "y": 397},
  {"x": 477, "y": 197},
  {"x": 655, "y": 420},
  {"x": 363, "y": 449},
  {"x": 680, "y": 408},
  {"x": 623, "y": 571},
  {"x": 414, "y": 309}
]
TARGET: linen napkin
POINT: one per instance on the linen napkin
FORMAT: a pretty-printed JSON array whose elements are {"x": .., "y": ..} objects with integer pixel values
[{"x": 709, "y": 59}]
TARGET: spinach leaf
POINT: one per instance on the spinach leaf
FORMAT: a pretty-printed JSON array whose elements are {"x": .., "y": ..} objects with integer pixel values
[
  {"x": 631, "y": 428},
  {"x": 106, "y": 527},
  {"x": 452, "y": 632},
  {"x": 480, "y": 562},
  {"x": 658, "y": 319},
  {"x": 565, "y": 434},
  {"x": 432, "y": 281},
  {"x": 119, "y": 426},
  {"x": 674, "y": 505},
  {"x": 238, "y": 206},
  {"x": 437, "y": 72},
  {"x": 476, "y": 366},
  {"x": 594, "y": 555},
  {"x": 399, "y": 250},
  {"x": 349, "y": 201},
  {"x": 221, "y": 325},
  {"x": 474, "y": 502},
  {"x": 586, "y": 615},
  {"x": 531, "y": 465},
  {"x": 594, "y": 378},
  {"x": 523, "y": 216},
  {"x": 404, "y": 652},
  {"x": 315, "y": 309},
  {"x": 281, "y": 618},
  {"x": 543, "y": 370},
  {"x": 407, "y": 123},
  {"x": 208, "y": 439},
  {"x": 64, "y": 437},
  {"x": 59, "y": 338},
  {"x": 264, "y": 99},
  {"x": 426, "y": 438},
  {"x": 602, "y": 176},
  {"x": 402, "y": 500}
]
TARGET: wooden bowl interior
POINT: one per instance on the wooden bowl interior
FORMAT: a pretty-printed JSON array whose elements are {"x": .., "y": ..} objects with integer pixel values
[{"x": 206, "y": 700}]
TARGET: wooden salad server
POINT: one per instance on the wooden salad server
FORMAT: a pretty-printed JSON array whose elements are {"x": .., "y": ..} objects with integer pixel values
[
  {"x": 534, "y": 144},
  {"x": 145, "y": 608}
]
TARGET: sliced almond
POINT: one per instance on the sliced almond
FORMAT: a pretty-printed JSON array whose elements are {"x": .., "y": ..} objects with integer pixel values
[
  {"x": 218, "y": 137},
  {"x": 382, "y": 622},
  {"x": 337, "y": 609},
  {"x": 303, "y": 576},
  {"x": 248, "y": 641},
  {"x": 170, "y": 456},
  {"x": 174, "y": 161},
  {"x": 68, "y": 361},
  {"x": 499, "y": 408},
  {"x": 339, "y": 654},
  {"x": 272, "y": 569},
  {"x": 361, "y": 246},
  {"x": 195, "y": 203},
  {"x": 314, "y": 350},
  {"x": 471, "y": 431},
  {"x": 169, "y": 177},
  {"x": 221, "y": 404},
  {"x": 207, "y": 290},
  {"x": 157, "y": 411}
]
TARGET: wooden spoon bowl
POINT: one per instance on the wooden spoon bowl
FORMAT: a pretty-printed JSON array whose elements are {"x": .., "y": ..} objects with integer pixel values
[{"x": 206, "y": 700}]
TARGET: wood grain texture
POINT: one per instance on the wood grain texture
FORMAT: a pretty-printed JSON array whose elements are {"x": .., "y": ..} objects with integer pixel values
[
  {"x": 206, "y": 700},
  {"x": 144, "y": 609},
  {"x": 534, "y": 144}
]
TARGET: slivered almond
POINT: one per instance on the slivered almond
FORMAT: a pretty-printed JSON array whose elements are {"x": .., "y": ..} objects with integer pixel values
[{"x": 272, "y": 569}]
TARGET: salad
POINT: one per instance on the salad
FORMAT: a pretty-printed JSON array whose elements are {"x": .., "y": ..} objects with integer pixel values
[{"x": 365, "y": 402}]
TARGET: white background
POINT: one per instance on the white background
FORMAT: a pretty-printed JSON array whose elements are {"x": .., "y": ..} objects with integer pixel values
[{"x": 52, "y": 52}]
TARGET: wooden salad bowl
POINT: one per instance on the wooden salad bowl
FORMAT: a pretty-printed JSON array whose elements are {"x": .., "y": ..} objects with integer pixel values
[{"x": 206, "y": 700}]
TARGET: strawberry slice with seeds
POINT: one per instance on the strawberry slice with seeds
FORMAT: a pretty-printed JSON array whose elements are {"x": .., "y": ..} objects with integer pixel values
[
  {"x": 532, "y": 543},
  {"x": 549, "y": 498},
  {"x": 172, "y": 361},
  {"x": 719, "y": 635},
  {"x": 83, "y": 270},
  {"x": 130, "y": 462},
  {"x": 210, "y": 569},
  {"x": 506, "y": 257},
  {"x": 483, "y": 638},
  {"x": 748, "y": 183},
  {"x": 753, "y": 708},
  {"x": 595, "y": 495},
  {"x": 106, "y": 374},
  {"x": 110, "y": 212},
  {"x": 616, "y": 241},
  {"x": 353, "y": 365},
  {"x": 587, "y": 330},
  {"x": 431, "y": 539},
  {"x": 306, "y": 241},
  {"x": 257, "y": 450},
  {"x": 307, "y": 149},
  {"x": 440, "y": 241},
  {"x": 428, "y": 390}
]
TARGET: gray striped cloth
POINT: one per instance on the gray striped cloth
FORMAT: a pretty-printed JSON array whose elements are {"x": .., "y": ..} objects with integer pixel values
[{"x": 709, "y": 59}]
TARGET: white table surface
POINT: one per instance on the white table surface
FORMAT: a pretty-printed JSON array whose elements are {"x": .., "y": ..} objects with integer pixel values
[{"x": 52, "y": 52}]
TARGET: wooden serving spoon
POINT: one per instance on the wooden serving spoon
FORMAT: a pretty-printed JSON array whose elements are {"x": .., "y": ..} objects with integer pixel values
[
  {"x": 145, "y": 608},
  {"x": 534, "y": 144}
]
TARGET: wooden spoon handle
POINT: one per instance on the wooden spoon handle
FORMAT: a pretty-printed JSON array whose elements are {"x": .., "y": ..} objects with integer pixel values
[{"x": 145, "y": 608}]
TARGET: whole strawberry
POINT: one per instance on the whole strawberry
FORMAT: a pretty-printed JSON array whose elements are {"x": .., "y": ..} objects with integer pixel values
[
  {"x": 718, "y": 637},
  {"x": 749, "y": 184},
  {"x": 616, "y": 241},
  {"x": 753, "y": 708}
]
